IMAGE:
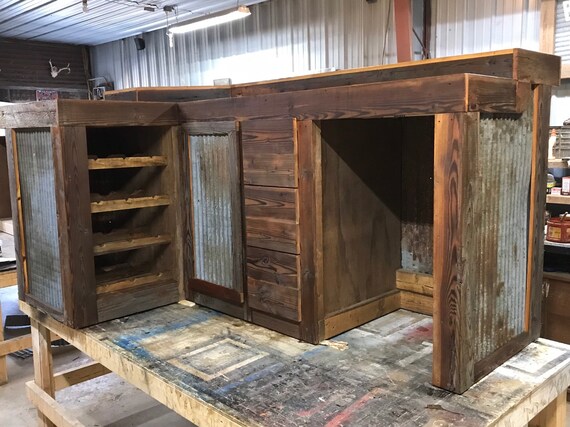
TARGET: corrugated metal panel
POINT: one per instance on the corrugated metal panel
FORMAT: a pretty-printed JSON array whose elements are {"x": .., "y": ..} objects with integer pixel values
[
  {"x": 467, "y": 26},
  {"x": 216, "y": 218},
  {"x": 562, "y": 34},
  {"x": 503, "y": 186},
  {"x": 37, "y": 185},
  {"x": 64, "y": 20},
  {"x": 282, "y": 38}
]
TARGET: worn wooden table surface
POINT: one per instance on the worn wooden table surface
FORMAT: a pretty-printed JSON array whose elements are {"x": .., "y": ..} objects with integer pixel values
[{"x": 217, "y": 370}]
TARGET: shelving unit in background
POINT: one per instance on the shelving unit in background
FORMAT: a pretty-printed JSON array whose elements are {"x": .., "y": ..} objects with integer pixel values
[{"x": 555, "y": 317}]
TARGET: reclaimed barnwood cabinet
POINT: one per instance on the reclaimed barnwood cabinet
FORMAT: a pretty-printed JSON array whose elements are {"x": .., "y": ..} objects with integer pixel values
[
  {"x": 304, "y": 202},
  {"x": 96, "y": 207}
]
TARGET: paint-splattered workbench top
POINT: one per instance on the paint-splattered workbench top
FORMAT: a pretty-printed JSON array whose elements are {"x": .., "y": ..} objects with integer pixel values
[{"x": 217, "y": 370}]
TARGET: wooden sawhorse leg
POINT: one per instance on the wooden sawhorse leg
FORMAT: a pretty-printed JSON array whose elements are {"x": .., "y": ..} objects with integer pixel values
[
  {"x": 43, "y": 365},
  {"x": 554, "y": 415}
]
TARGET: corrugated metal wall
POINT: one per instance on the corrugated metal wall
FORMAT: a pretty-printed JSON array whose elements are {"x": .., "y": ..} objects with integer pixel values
[
  {"x": 562, "y": 34},
  {"x": 288, "y": 37},
  {"x": 467, "y": 26},
  {"x": 280, "y": 39}
]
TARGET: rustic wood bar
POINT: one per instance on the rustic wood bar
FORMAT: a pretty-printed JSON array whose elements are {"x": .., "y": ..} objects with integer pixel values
[
  {"x": 298, "y": 204},
  {"x": 215, "y": 370}
]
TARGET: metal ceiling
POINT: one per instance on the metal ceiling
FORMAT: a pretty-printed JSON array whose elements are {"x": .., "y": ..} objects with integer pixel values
[{"x": 65, "y": 21}]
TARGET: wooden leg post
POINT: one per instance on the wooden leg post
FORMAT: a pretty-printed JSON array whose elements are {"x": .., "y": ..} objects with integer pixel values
[
  {"x": 3, "y": 370},
  {"x": 43, "y": 369},
  {"x": 554, "y": 415}
]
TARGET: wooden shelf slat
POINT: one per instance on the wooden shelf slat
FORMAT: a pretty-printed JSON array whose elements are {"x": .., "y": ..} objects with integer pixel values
[
  {"x": 127, "y": 162},
  {"x": 130, "y": 282},
  {"x": 129, "y": 203},
  {"x": 561, "y": 200},
  {"x": 558, "y": 275},
  {"x": 121, "y": 241}
]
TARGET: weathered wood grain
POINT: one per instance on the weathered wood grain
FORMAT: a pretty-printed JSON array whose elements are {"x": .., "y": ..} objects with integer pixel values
[
  {"x": 111, "y": 305},
  {"x": 112, "y": 205},
  {"x": 422, "y": 96},
  {"x": 273, "y": 323},
  {"x": 417, "y": 193},
  {"x": 536, "y": 67},
  {"x": 414, "y": 282},
  {"x": 117, "y": 113},
  {"x": 168, "y": 94},
  {"x": 311, "y": 230},
  {"x": 453, "y": 358},
  {"x": 125, "y": 241},
  {"x": 416, "y": 302},
  {"x": 277, "y": 235},
  {"x": 274, "y": 267},
  {"x": 269, "y": 153},
  {"x": 540, "y": 131},
  {"x": 361, "y": 209},
  {"x": 275, "y": 299},
  {"x": 130, "y": 282},
  {"x": 518, "y": 64},
  {"x": 270, "y": 203},
  {"x": 33, "y": 114},
  {"x": 76, "y": 243},
  {"x": 17, "y": 220},
  {"x": 361, "y": 313},
  {"x": 127, "y": 162}
]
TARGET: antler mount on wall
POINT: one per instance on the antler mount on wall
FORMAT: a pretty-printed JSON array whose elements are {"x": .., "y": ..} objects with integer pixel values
[{"x": 55, "y": 71}]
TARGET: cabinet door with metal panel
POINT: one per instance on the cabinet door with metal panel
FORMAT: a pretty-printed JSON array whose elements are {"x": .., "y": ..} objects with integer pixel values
[{"x": 215, "y": 249}]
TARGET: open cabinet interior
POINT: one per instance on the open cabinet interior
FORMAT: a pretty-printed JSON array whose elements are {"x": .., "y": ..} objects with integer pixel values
[
  {"x": 377, "y": 204},
  {"x": 133, "y": 205}
]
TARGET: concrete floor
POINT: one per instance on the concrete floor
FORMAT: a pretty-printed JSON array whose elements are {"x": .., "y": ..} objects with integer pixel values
[{"x": 105, "y": 401}]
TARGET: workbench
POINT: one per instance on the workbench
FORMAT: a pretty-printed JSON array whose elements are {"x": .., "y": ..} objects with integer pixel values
[{"x": 217, "y": 370}]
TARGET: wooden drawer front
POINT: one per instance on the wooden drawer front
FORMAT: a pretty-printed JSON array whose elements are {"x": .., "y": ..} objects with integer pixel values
[
  {"x": 274, "y": 267},
  {"x": 274, "y": 299},
  {"x": 271, "y": 218},
  {"x": 269, "y": 153}
]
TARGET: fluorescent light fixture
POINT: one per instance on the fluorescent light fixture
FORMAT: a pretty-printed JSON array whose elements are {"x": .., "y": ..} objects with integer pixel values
[{"x": 211, "y": 20}]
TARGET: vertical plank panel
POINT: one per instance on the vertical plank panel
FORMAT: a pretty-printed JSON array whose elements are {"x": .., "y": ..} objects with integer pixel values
[
  {"x": 310, "y": 222},
  {"x": 541, "y": 114},
  {"x": 17, "y": 220},
  {"x": 417, "y": 194},
  {"x": 75, "y": 229},
  {"x": 453, "y": 366}
]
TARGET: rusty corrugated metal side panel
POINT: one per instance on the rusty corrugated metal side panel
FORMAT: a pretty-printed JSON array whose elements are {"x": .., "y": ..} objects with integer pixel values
[
  {"x": 215, "y": 218},
  {"x": 503, "y": 165},
  {"x": 37, "y": 186}
]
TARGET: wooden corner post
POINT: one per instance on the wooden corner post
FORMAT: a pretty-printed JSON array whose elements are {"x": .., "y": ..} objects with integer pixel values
[
  {"x": 452, "y": 355},
  {"x": 488, "y": 208}
]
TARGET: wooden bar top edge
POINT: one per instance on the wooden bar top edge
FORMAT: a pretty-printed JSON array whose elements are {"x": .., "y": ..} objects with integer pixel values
[{"x": 527, "y": 66}]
